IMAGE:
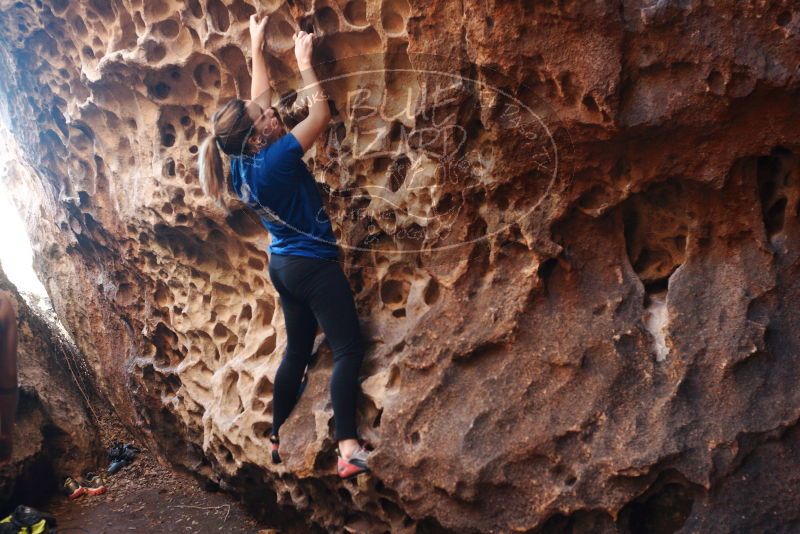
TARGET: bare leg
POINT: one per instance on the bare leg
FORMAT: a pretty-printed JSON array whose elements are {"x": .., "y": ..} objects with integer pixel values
[{"x": 8, "y": 375}]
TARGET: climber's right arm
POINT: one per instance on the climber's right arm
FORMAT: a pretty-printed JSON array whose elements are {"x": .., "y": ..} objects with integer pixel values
[{"x": 319, "y": 114}]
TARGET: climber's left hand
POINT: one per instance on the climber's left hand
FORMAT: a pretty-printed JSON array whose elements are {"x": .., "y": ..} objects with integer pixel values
[{"x": 258, "y": 31}]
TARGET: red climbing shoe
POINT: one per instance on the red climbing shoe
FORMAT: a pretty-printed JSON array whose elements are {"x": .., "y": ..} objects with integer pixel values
[
  {"x": 93, "y": 484},
  {"x": 74, "y": 489},
  {"x": 355, "y": 465}
]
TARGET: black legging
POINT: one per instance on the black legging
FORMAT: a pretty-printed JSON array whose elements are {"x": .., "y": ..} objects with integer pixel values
[{"x": 312, "y": 290}]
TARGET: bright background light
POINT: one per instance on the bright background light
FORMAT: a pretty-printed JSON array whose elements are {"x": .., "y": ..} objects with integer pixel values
[{"x": 16, "y": 255}]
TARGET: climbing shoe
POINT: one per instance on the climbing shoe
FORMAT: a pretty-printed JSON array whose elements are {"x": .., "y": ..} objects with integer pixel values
[
  {"x": 73, "y": 489},
  {"x": 276, "y": 457},
  {"x": 120, "y": 455},
  {"x": 355, "y": 465},
  {"x": 93, "y": 484},
  {"x": 116, "y": 465}
]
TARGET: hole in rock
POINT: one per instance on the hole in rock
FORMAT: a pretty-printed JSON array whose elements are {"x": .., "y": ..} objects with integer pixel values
[
  {"x": 327, "y": 20},
  {"x": 774, "y": 176},
  {"x": 264, "y": 387},
  {"x": 355, "y": 12},
  {"x": 262, "y": 429},
  {"x": 168, "y": 135},
  {"x": 206, "y": 75},
  {"x": 392, "y": 291},
  {"x": 195, "y": 8},
  {"x": 241, "y": 10},
  {"x": 593, "y": 521},
  {"x": 431, "y": 293},
  {"x": 255, "y": 264},
  {"x": 307, "y": 24},
  {"x": 784, "y": 18},
  {"x": 168, "y": 28},
  {"x": 80, "y": 27},
  {"x": 590, "y": 103},
  {"x": 154, "y": 52},
  {"x": 377, "y": 421},
  {"x": 169, "y": 167},
  {"x": 655, "y": 225},
  {"x": 219, "y": 15},
  {"x": 160, "y": 90},
  {"x": 393, "y": 16},
  {"x": 662, "y": 509}
]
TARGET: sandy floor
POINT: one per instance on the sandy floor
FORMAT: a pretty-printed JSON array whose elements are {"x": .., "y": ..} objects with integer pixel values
[{"x": 147, "y": 497}]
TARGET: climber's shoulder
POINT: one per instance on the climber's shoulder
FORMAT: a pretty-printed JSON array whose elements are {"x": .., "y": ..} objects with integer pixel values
[{"x": 275, "y": 166}]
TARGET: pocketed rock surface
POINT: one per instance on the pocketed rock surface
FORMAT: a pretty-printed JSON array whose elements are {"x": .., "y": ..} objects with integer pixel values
[{"x": 581, "y": 322}]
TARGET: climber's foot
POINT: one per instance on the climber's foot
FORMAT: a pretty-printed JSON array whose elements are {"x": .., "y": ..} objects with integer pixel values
[
  {"x": 353, "y": 464},
  {"x": 274, "y": 442}
]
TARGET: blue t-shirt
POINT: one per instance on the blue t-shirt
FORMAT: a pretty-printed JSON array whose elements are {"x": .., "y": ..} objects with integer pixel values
[{"x": 276, "y": 183}]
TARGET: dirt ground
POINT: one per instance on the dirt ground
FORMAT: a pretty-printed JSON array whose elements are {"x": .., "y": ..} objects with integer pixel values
[{"x": 148, "y": 497}]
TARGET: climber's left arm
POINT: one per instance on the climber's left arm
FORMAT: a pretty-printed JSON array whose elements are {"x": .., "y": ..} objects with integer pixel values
[{"x": 259, "y": 86}]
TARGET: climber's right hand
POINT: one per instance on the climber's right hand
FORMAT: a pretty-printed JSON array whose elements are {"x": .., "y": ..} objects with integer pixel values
[{"x": 303, "y": 46}]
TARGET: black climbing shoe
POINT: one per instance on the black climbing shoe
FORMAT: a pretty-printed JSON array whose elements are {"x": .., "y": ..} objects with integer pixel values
[
  {"x": 120, "y": 455},
  {"x": 276, "y": 457}
]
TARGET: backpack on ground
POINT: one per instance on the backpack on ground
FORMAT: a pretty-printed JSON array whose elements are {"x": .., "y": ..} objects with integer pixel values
[{"x": 27, "y": 520}]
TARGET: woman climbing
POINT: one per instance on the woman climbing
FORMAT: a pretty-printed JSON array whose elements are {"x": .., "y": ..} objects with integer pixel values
[{"x": 268, "y": 175}]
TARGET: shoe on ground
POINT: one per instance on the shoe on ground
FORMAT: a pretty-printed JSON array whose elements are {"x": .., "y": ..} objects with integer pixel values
[
  {"x": 74, "y": 489},
  {"x": 93, "y": 484},
  {"x": 116, "y": 465},
  {"x": 355, "y": 465}
]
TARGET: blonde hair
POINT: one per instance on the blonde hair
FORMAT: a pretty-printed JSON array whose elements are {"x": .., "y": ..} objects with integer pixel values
[{"x": 231, "y": 127}]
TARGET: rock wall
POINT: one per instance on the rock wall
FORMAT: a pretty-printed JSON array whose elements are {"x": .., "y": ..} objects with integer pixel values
[
  {"x": 54, "y": 434},
  {"x": 604, "y": 345}
]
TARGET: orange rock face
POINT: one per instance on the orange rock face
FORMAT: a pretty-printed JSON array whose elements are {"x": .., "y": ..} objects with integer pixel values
[
  {"x": 55, "y": 432},
  {"x": 571, "y": 229}
]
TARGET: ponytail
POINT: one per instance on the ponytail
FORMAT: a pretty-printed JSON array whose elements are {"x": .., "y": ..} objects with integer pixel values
[
  {"x": 231, "y": 127},
  {"x": 212, "y": 175}
]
